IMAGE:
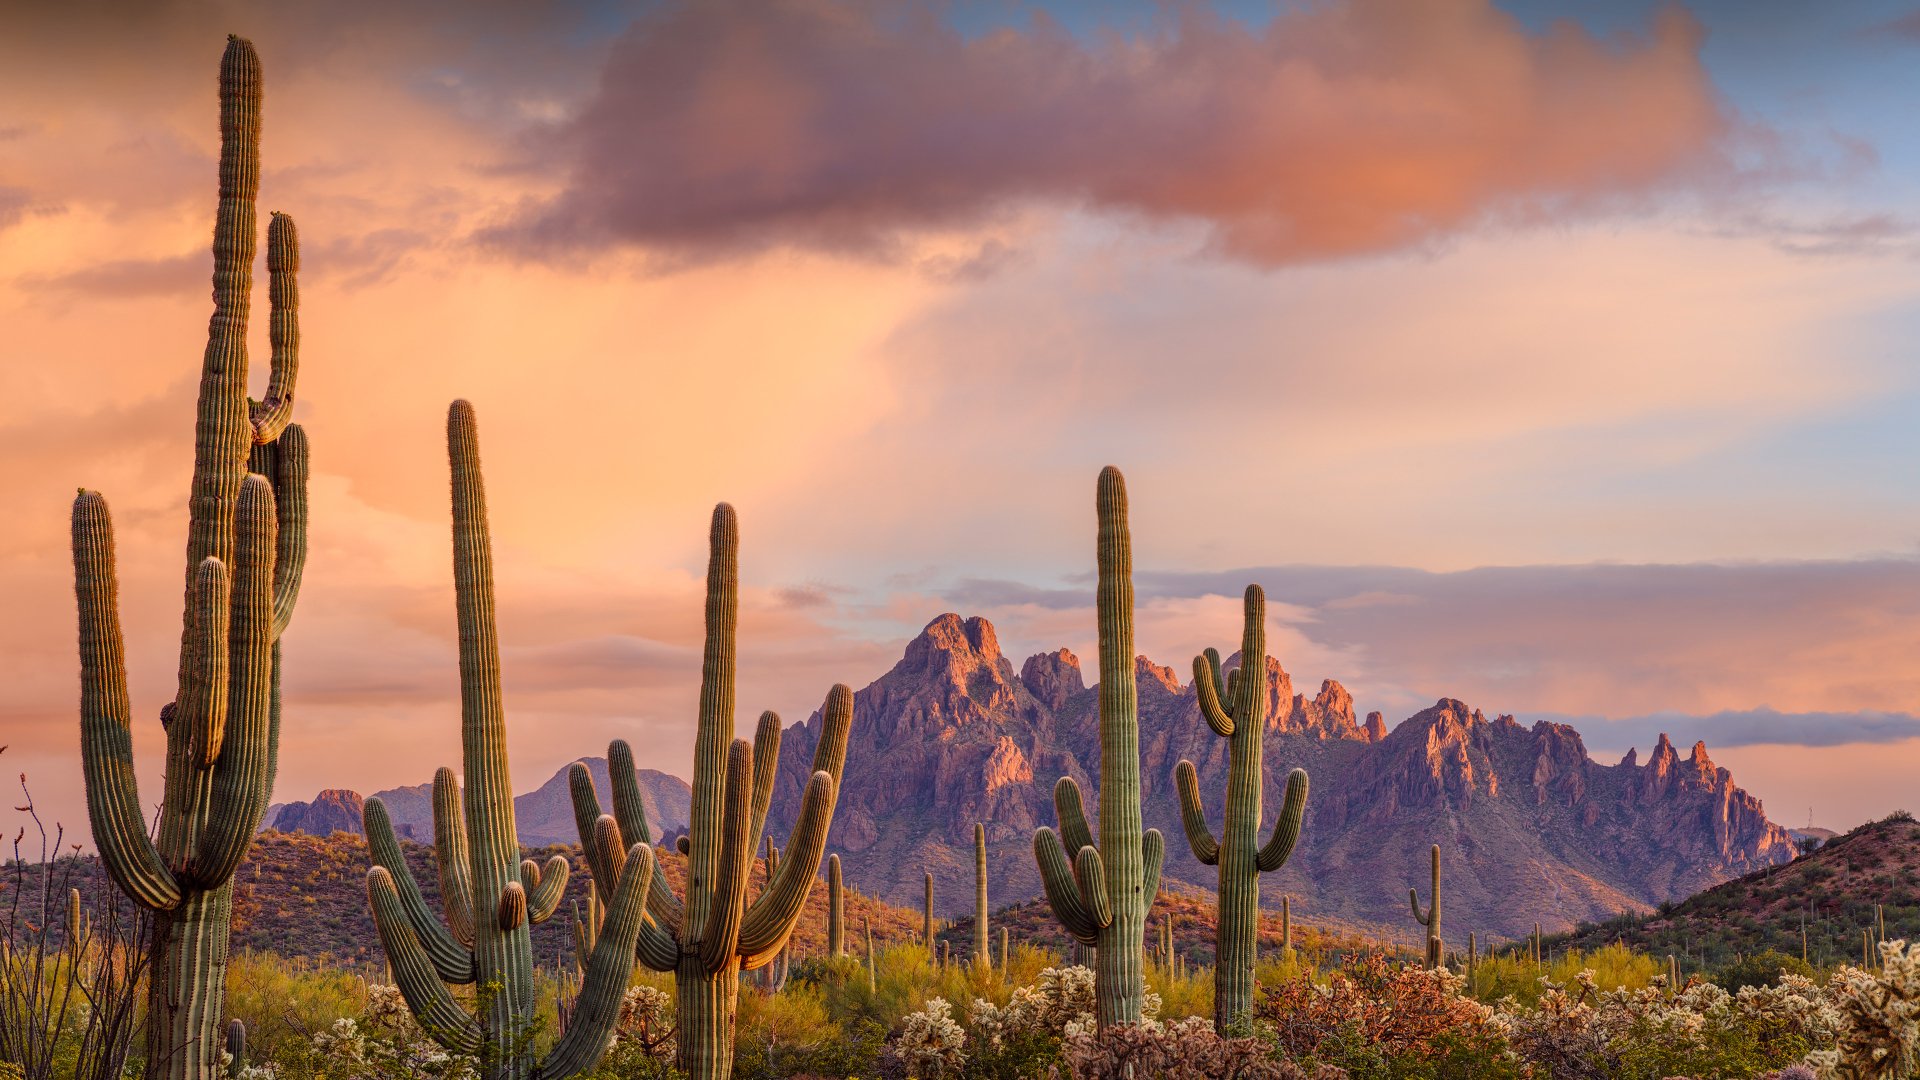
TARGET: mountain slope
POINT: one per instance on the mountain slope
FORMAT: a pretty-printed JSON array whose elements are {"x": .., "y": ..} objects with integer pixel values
[
  {"x": 1532, "y": 828},
  {"x": 1831, "y": 892}
]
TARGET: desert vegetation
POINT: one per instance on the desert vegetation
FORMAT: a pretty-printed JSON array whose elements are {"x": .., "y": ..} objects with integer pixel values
[{"x": 696, "y": 959}]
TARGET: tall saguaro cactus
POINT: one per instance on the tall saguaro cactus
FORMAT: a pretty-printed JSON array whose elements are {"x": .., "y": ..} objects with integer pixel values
[
  {"x": 1431, "y": 917},
  {"x": 710, "y": 937},
  {"x": 981, "y": 954},
  {"x": 926, "y": 917},
  {"x": 1101, "y": 894},
  {"x": 492, "y": 897},
  {"x": 1236, "y": 710},
  {"x": 246, "y": 546}
]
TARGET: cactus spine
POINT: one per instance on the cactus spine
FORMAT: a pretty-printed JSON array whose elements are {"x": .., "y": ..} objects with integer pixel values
[
  {"x": 1236, "y": 710},
  {"x": 492, "y": 897},
  {"x": 981, "y": 937},
  {"x": 1431, "y": 917},
  {"x": 1101, "y": 894},
  {"x": 710, "y": 937},
  {"x": 245, "y": 551}
]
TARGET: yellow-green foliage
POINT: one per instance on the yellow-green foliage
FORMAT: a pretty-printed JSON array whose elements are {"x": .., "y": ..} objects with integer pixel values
[
  {"x": 1613, "y": 966},
  {"x": 280, "y": 999}
]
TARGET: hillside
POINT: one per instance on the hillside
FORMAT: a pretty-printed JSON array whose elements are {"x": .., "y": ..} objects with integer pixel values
[
  {"x": 305, "y": 896},
  {"x": 1831, "y": 892}
]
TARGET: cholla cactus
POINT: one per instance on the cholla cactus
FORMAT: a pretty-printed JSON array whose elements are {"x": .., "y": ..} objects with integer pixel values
[
  {"x": 492, "y": 897},
  {"x": 708, "y": 939},
  {"x": 246, "y": 545},
  {"x": 1236, "y": 710},
  {"x": 1879, "y": 1030},
  {"x": 931, "y": 1041},
  {"x": 1101, "y": 894}
]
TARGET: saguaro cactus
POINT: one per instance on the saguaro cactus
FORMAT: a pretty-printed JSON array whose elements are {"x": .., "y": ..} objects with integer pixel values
[
  {"x": 236, "y": 1047},
  {"x": 246, "y": 546},
  {"x": 1236, "y": 710},
  {"x": 1101, "y": 895},
  {"x": 708, "y": 939},
  {"x": 926, "y": 917},
  {"x": 1286, "y": 925},
  {"x": 492, "y": 897},
  {"x": 1431, "y": 917},
  {"x": 981, "y": 956},
  {"x": 836, "y": 910}
]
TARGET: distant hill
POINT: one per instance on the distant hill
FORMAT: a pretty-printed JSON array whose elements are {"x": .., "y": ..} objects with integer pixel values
[
  {"x": 305, "y": 896},
  {"x": 1831, "y": 892},
  {"x": 543, "y": 816}
]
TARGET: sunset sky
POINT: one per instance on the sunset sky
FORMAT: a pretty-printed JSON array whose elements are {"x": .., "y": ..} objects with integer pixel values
[{"x": 1555, "y": 356}]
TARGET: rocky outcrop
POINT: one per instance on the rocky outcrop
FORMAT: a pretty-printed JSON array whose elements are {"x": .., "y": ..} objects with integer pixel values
[
  {"x": 1533, "y": 828},
  {"x": 333, "y": 810}
]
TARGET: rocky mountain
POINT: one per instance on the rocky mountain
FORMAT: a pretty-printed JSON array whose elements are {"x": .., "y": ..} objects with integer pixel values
[
  {"x": 544, "y": 815},
  {"x": 333, "y": 810},
  {"x": 1533, "y": 829}
]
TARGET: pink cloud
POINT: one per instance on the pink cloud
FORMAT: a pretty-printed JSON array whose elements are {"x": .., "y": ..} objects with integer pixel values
[{"x": 1336, "y": 129}]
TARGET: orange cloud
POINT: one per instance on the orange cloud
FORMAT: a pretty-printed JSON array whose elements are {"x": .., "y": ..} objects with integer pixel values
[{"x": 1335, "y": 129}]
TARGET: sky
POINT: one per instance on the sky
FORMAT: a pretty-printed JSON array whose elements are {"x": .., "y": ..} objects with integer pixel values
[{"x": 1554, "y": 356}]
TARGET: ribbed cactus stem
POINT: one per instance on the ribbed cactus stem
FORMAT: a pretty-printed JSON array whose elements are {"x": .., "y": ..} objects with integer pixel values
[
  {"x": 1286, "y": 925},
  {"x": 836, "y": 910},
  {"x": 1431, "y": 917},
  {"x": 1236, "y": 710},
  {"x": 236, "y": 1047},
  {"x": 1101, "y": 895},
  {"x": 980, "y": 932},
  {"x": 1006, "y": 948},
  {"x": 495, "y": 898},
  {"x": 866, "y": 927}
]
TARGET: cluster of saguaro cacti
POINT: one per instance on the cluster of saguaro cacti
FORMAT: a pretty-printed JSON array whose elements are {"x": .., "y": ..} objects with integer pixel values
[
  {"x": 246, "y": 545},
  {"x": 981, "y": 957},
  {"x": 1431, "y": 917},
  {"x": 710, "y": 937},
  {"x": 491, "y": 896},
  {"x": 1236, "y": 710},
  {"x": 836, "y": 910},
  {"x": 1101, "y": 894}
]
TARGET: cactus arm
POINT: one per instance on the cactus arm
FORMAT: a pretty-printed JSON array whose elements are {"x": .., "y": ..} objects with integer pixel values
[
  {"x": 451, "y": 961},
  {"x": 1063, "y": 892},
  {"x": 1153, "y": 853},
  {"x": 609, "y": 968},
  {"x": 270, "y": 415},
  {"x": 1286, "y": 828},
  {"x": 452, "y": 857},
  {"x": 201, "y": 707},
  {"x": 658, "y": 949},
  {"x": 106, "y": 741},
  {"x": 239, "y": 789},
  {"x": 1074, "y": 833},
  {"x": 766, "y": 766},
  {"x": 1206, "y": 685},
  {"x": 1413, "y": 898},
  {"x": 630, "y": 811},
  {"x": 284, "y": 462},
  {"x": 830, "y": 754},
  {"x": 1193, "y": 816},
  {"x": 771, "y": 917},
  {"x": 511, "y": 914},
  {"x": 547, "y": 885},
  {"x": 413, "y": 971},
  {"x": 1090, "y": 872},
  {"x": 721, "y": 935}
]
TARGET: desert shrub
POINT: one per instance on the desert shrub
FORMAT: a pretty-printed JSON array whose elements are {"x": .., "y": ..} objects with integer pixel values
[
  {"x": 1764, "y": 968},
  {"x": 1877, "y": 1036},
  {"x": 1186, "y": 1049},
  {"x": 1376, "y": 1019}
]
